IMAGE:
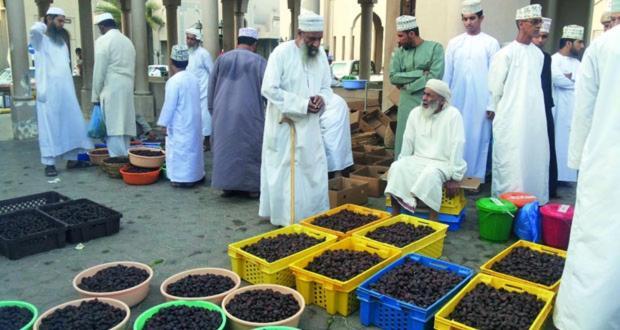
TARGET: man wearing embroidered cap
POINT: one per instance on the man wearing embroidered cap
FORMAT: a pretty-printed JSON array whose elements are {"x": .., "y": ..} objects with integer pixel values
[
  {"x": 614, "y": 13},
  {"x": 468, "y": 57},
  {"x": 545, "y": 78},
  {"x": 113, "y": 82},
  {"x": 61, "y": 127},
  {"x": 181, "y": 117},
  {"x": 296, "y": 86},
  {"x": 238, "y": 113},
  {"x": 432, "y": 153},
  {"x": 521, "y": 143},
  {"x": 588, "y": 294},
  {"x": 564, "y": 68},
  {"x": 414, "y": 62},
  {"x": 606, "y": 21}
]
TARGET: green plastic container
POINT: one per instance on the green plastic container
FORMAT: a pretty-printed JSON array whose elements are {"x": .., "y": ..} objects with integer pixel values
[
  {"x": 23, "y": 304},
  {"x": 276, "y": 328},
  {"x": 141, "y": 320},
  {"x": 495, "y": 217}
]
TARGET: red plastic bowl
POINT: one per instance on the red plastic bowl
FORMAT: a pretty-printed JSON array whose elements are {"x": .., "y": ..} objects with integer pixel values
[{"x": 139, "y": 179}]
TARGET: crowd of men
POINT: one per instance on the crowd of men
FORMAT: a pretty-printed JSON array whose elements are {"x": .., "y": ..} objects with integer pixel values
[{"x": 276, "y": 128}]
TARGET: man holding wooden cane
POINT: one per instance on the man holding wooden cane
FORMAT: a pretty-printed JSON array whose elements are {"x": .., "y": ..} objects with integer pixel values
[{"x": 296, "y": 85}]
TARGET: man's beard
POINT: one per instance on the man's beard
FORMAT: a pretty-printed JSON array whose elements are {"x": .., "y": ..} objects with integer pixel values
[
  {"x": 429, "y": 110},
  {"x": 57, "y": 35},
  {"x": 309, "y": 53},
  {"x": 574, "y": 52}
]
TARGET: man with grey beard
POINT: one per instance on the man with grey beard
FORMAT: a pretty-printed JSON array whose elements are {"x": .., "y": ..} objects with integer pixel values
[
  {"x": 62, "y": 130},
  {"x": 432, "y": 153}
]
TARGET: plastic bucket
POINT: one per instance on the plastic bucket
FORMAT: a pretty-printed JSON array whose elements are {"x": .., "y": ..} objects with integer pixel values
[
  {"x": 22, "y": 304},
  {"x": 495, "y": 217},
  {"x": 519, "y": 199},
  {"x": 556, "y": 223}
]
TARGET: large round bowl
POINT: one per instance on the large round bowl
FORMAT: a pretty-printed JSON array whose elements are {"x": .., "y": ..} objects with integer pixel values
[
  {"x": 113, "y": 169},
  {"x": 97, "y": 156},
  {"x": 216, "y": 299},
  {"x": 130, "y": 296},
  {"x": 113, "y": 302},
  {"x": 141, "y": 320},
  {"x": 22, "y": 304},
  {"x": 139, "y": 179},
  {"x": 238, "y": 324},
  {"x": 146, "y": 161}
]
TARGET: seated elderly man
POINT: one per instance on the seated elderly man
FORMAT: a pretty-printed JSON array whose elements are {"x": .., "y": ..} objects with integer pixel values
[{"x": 432, "y": 153}]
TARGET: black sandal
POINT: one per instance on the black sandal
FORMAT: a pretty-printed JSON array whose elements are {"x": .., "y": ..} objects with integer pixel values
[{"x": 50, "y": 170}]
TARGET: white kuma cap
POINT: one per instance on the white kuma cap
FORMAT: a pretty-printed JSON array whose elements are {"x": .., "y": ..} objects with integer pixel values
[
  {"x": 406, "y": 23},
  {"x": 471, "y": 7},
  {"x": 546, "y": 25},
  {"x": 310, "y": 22},
  {"x": 529, "y": 12},
  {"x": 573, "y": 32},
  {"x": 55, "y": 11},
  {"x": 103, "y": 17},
  {"x": 248, "y": 32},
  {"x": 179, "y": 53}
]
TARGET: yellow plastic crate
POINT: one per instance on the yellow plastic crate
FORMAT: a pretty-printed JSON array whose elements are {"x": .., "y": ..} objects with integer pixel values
[
  {"x": 259, "y": 271},
  {"x": 333, "y": 295},
  {"x": 442, "y": 322},
  {"x": 486, "y": 267},
  {"x": 351, "y": 207},
  {"x": 431, "y": 245},
  {"x": 451, "y": 206}
]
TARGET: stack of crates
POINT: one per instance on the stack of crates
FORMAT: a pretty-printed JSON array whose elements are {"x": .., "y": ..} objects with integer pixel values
[{"x": 451, "y": 213}]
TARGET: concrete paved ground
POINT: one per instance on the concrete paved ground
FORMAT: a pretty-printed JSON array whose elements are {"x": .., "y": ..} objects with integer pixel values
[{"x": 172, "y": 229}]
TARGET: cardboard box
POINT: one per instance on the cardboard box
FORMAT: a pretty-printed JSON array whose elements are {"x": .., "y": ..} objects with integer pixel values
[
  {"x": 372, "y": 175},
  {"x": 361, "y": 158},
  {"x": 469, "y": 183},
  {"x": 347, "y": 191},
  {"x": 367, "y": 138},
  {"x": 386, "y": 162},
  {"x": 382, "y": 153}
]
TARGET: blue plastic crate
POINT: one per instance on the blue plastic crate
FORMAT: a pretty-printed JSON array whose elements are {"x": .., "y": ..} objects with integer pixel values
[
  {"x": 453, "y": 221},
  {"x": 389, "y": 313}
]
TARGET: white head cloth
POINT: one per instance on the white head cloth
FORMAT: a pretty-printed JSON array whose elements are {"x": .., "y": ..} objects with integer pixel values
[
  {"x": 102, "y": 17},
  {"x": 179, "y": 53},
  {"x": 546, "y": 25},
  {"x": 614, "y": 6},
  {"x": 55, "y": 11},
  {"x": 310, "y": 22},
  {"x": 195, "y": 32},
  {"x": 406, "y": 23},
  {"x": 606, "y": 17},
  {"x": 440, "y": 87},
  {"x": 471, "y": 7},
  {"x": 573, "y": 32},
  {"x": 248, "y": 32},
  {"x": 529, "y": 12}
]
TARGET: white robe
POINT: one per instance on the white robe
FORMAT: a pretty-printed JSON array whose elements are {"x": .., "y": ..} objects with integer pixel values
[
  {"x": 181, "y": 117},
  {"x": 520, "y": 140},
  {"x": 563, "y": 97},
  {"x": 467, "y": 69},
  {"x": 288, "y": 85},
  {"x": 200, "y": 64},
  {"x": 588, "y": 296},
  {"x": 61, "y": 126},
  {"x": 113, "y": 82},
  {"x": 432, "y": 154},
  {"x": 336, "y": 133}
]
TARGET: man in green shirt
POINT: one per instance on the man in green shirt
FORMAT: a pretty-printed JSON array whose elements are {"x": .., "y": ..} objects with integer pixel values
[{"x": 414, "y": 62}]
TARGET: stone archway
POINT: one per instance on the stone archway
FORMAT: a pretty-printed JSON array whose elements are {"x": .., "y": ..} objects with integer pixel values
[{"x": 378, "y": 36}]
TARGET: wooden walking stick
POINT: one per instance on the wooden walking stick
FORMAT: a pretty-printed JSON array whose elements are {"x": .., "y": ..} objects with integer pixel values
[{"x": 293, "y": 135}]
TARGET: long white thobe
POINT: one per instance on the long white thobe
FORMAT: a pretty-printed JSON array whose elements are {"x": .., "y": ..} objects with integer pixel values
[
  {"x": 288, "y": 84},
  {"x": 336, "y": 133},
  {"x": 563, "y": 97},
  {"x": 200, "y": 64},
  {"x": 588, "y": 295},
  {"x": 521, "y": 144},
  {"x": 432, "y": 154},
  {"x": 61, "y": 126},
  {"x": 182, "y": 118},
  {"x": 113, "y": 82},
  {"x": 466, "y": 72}
]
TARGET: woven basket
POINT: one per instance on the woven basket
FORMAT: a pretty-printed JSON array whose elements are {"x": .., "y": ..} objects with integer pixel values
[
  {"x": 113, "y": 169},
  {"x": 97, "y": 159}
]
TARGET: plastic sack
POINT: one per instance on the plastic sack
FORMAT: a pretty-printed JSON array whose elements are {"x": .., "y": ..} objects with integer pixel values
[
  {"x": 528, "y": 223},
  {"x": 96, "y": 127}
]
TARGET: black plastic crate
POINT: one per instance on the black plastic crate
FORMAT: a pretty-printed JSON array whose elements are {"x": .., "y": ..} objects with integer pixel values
[
  {"x": 85, "y": 219},
  {"x": 31, "y": 201},
  {"x": 40, "y": 240}
]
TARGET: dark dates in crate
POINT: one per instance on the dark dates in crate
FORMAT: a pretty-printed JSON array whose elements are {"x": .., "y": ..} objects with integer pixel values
[
  {"x": 343, "y": 265},
  {"x": 534, "y": 266},
  {"x": 344, "y": 220},
  {"x": 281, "y": 246},
  {"x": 400, "y": 234}
]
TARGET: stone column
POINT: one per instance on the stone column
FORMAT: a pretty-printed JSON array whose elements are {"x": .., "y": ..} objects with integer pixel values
[
  {"x": 4, "y": 37},
  {"x": 295, "y": 7},
  {"x": 328, "y": 35},
  {"x": 171, "y": 22},
  {"x": 88, "y": 53},
  {"x": 42, "y": 6},
  {"x": 391, "y": 13},
  {"x": 241, "y": 7},
  {"x": 143, "y": 98},
  {"x": 210, "y": 31},
  {"x": 23, "y": 113},
  {"x": 366, "y": 37},
  {"x": 228, "y": 24},
  {"x": 126, "y": 17}
]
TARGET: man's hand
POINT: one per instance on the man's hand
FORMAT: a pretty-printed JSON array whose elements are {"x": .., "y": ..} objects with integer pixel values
[
  {"x": 452, "y": 188},
  {"x": 490, "y": 115},
  {"x": 569, "y": 76},
  {"x": 316, "y": 104}
]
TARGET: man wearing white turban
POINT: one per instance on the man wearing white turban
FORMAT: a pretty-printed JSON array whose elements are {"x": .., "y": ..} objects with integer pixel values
[
  {"x": 62, "y": 130},
  {"x": 200, "y": 64},
  {"x": 432, "y": 153},
  {"x": 297, "y": 87}
]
